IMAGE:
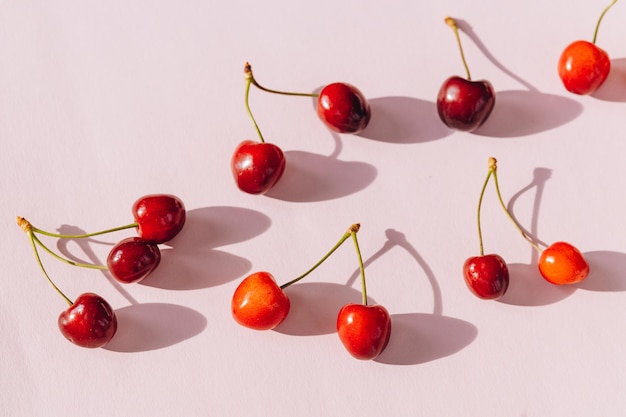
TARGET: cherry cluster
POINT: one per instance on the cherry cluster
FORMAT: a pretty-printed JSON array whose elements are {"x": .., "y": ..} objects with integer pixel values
[
  {"x": 260, "y": 304},
  {"x": 487, "y": 276},
  {"x": 90, "y": 321}
]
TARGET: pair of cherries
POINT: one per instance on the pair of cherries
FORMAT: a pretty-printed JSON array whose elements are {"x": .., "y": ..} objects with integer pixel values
[
  {"x": 487, "y": 276},
  {"x": 259, "y": 303},
  {"x": 258, "y": 165},
  {"x": 89, "y": 321}
]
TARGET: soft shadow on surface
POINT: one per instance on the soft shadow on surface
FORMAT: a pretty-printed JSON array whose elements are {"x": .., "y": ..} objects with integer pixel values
[
  {"x": 310, "y": 177},
  {"x": 419, "y": 338},
  {"x": 528, "y": 288},
  {"x": 152, "y": 326},
  {"x": 607, "y": 271},
  {"x": 404, "y": 120},
  {"x": 614, "y": 87},
  {"x": 521, "y": 112}
]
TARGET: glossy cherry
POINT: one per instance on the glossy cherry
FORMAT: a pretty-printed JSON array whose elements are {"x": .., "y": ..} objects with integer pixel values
[
  {"x": 561, "y": 263},
  {"x": 364, "y": 330},
  {"x": 463, "y": 104},
  {"x": 583, "y": 66},
  {"x": 259, "y": 303},
  {"x": 133, "y": 259},
  {"x": 257, "y": 166},
  {"x": 343, "y": 108},
  {"x": 159, "y": 217},
  {"x": 89, "y": 322}
]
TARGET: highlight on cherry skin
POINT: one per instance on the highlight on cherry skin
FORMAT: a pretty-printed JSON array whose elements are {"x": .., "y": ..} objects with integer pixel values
[
  {"x": 257, "y": 166},
  {"x": 133, "y": 259},
  {"x": 88, "y": 322},
  {"x": 464, "y": 104},
  {"x": 159, "y": 217},
  {"x": 583, "y": 66}
]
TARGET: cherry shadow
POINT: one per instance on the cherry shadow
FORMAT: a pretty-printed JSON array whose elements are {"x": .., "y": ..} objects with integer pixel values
[
  {"x": 153, "y": 326},
  {"x": 528, "y": 288},
  {"x": 607, "y": 272},
  {"x": 522, "y": 112},
  {"x": 614, "y": 87},
  {"x": 404, "y": 120}
]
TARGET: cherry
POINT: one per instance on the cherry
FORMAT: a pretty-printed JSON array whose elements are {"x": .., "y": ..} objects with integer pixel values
[
  {"x": 583, "y": 67},
  {"x": 561, "y": 263},
  {"x": 463, "y": 104},
  {"x": 364, "y": 330},
  {"x": 257, "y": 166},
  {"x": 89, "y": 322},
  {"x": 159, "y": 217},
  {"x": 487, "y": 276},
  {"x": 260, "y": 304},
  {"x": 343, "y": 108},
  {"x": 133, "y": 259}
]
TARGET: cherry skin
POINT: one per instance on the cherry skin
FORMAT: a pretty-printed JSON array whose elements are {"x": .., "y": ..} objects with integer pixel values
[
  {"x": 463, "y": 104},
  {"x": 343, "y": 108},
  {"x": 133, "y": 259},
  {"x": 159, "y": 217},
  {"x": 583, "y": 67},
  {"x": 486, "y": 276},
  {"x": 257, "y": 166},
  {"x": 89, "y": 322},
  {"x": 259, "y": 303},
  {"x": 364, "y": 330},
  {"x": 562, "y": 263}
]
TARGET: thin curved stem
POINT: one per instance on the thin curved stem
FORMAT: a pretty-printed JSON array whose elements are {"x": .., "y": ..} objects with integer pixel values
[
  {"x": 32, "y": 239},
  {"x": 256, "y": 126},
  {"x": 606, "y": 9},
  {"x": 480, "y": 203},
  {"x": 248, "y": 73},
  {"x": 84, "y": 235},
  {"x": 452, "y": 23},
  {"x": 352, "y": 230},
  {"x": 361, "y": 268},
  {"x": 67, "y": 261}
]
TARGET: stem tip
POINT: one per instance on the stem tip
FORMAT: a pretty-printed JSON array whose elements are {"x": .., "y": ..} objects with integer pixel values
[
  {"x": 493, "y": 163},
  {"x": 450, "y": 22},
  {"x": 24, "y": 224},
  {"x": 354, "y": 228},
  {"x": 247, "y": 70}
]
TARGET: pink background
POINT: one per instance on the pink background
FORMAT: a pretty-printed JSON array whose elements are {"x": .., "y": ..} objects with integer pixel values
[{"x": 103, "y": 102}]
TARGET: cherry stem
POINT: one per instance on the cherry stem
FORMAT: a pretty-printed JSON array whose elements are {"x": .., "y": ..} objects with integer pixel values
[
  {"x": 247, "y": 70},
  {"x": 492, "y": 167},
  {"x": 606, "y": 9},
  {"x": 452, "y": 23},
  {"x": 256, "y": 126},
  {"x": 21, "y": 221},
  {"x": 506, "y": 210},
  {"x": 361, "y": 268},
  {"x": 350, "y": 232}
]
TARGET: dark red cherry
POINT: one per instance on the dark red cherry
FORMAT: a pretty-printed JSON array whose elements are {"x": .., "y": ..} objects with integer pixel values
[
  {"x": 343, "y": 108},
  {"x": 463, "y": 104},
  {"x": 159, "y": 217},
  {"x": 257, "y": 166},
  {"x": 89, "y": 322},
  {"x": 133, "y": 259},
  {"x": 487, "y": 276}
]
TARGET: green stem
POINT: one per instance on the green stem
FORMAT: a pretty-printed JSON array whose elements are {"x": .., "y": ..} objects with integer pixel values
[
  {"x": 68, "y": 261},
  {"x": 248, "y": 73},
  {"x": 32, "y": 239},
  {"x": 480, "y": 203},
  {"x": 361, "y": 268},
  {"x": 351, "y": 231},
  {"x": 452, "y": 23},
  {"x": 256, "y": 126},
  {"x": 606, "y": 9},
  {"x": 84, "y": 235}
]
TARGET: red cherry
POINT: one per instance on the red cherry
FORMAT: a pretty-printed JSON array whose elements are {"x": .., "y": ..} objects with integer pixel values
[
  {"x": 561, "y": 263},
  {"x": 463, "y": 104},
  {"x": 364, "y": 330},
  {"x": 486, "y": 276},
  {"x": 133, "y": 259},
  {"x": 257, "y": 166},
  {"x": 159, "y": 217},
  {"x": 583, "y": 67},
  {"x": 343, "y": 108},
  {"x": 259, "y": 303},
  {"x": 89, "y": 322}
]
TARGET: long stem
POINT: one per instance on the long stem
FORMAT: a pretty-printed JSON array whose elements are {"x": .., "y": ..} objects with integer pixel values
[
  {"x": 63, "y": 259},
  {"x": 256, "y": 126},
  {"x": 492, "y": 162},
  {"x": 248, "y": 73},
  {"x": 351, "y": 231},
  {"x": 508, "y": 213},
  {"x": 606, "y": 9},
  {"x": 452, "y": 23},
  {"x": 361, "y": 268},
  {"x": 80, "y": 236}
]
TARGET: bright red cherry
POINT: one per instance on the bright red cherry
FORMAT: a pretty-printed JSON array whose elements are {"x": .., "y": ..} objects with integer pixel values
[
  {"x": 487, "y": 276},
  {"x": 259, "y": 303},
  {"x": 562, "y": 263},
  {"x": 257, "y": 166},
  {"x": 343, "y": 108},
  {"x": 89, "y": 322},
  {"x": 159, "y": 217},
  {"x": 133, "y": 259},
  {"x": 364, "y": 330}
]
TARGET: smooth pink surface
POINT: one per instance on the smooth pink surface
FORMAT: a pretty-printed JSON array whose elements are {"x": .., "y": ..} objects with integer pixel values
[{"x": 103, "y": 102}]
